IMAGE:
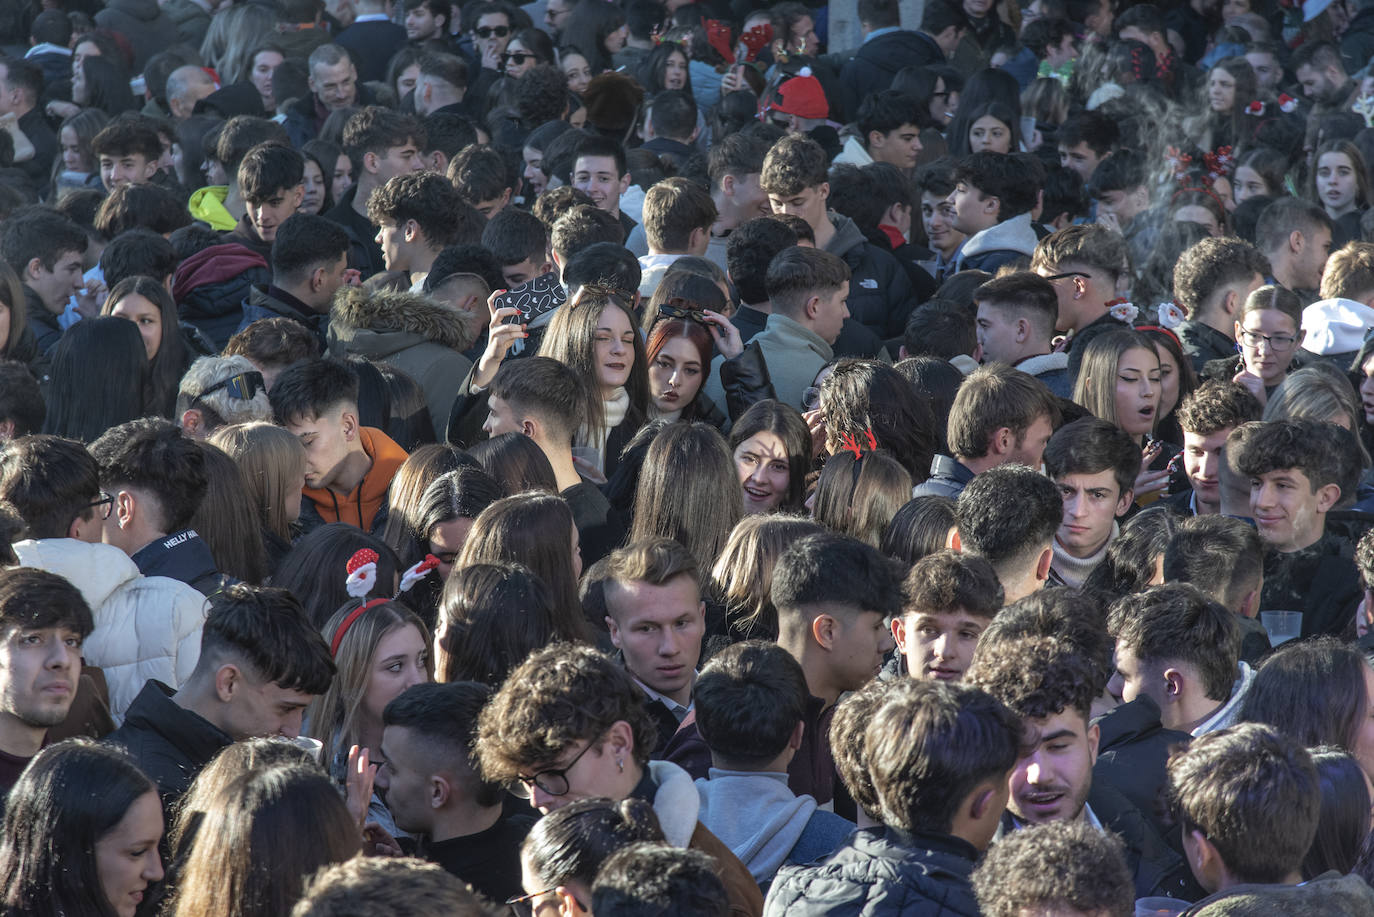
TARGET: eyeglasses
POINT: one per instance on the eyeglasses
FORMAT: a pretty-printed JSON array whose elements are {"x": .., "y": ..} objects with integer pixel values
[
  {"x": 669, "y": 310},
  {"x": 811, "y": 398},
  {"x": 106, "y": 504},
  {"x": 518, "y": 58},
  {"x": 487, "y": 31},
  {"x": 243, "y": 386},
  {"x": 1067, "y": 274},
  {"x": 523, "y": 906},
  {"x": 1279, "y": 343},
  {"x": 553, "y": 781}
]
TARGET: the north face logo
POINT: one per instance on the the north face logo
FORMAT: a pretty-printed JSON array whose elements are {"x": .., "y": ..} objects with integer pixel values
[{"x": 868, "y": 283}]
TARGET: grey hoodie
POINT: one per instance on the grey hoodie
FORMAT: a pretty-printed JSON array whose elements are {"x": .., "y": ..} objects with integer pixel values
[
  {"x": 755, "y": 815},
  {"x": 992, "y": 247}
]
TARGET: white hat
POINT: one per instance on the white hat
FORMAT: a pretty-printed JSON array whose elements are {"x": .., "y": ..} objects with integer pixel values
[{"x": 1311, "y": 9}]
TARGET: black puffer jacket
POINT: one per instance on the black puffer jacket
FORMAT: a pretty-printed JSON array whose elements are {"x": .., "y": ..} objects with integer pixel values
[
  {"x": 881, "y": 872},
  {"x": 880, "y": 293},
  {"x": 873, "y": 66}
]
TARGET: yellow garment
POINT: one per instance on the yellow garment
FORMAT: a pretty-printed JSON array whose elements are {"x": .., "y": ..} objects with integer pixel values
[{"x": 207, "y": 204}]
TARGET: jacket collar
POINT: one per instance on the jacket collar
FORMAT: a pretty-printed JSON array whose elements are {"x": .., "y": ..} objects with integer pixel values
[
  {"x": 190, "y": 733},
  {"x": 180, "y": 556}
]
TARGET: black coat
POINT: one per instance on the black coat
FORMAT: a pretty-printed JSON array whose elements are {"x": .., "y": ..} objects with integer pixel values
[
  {"x": 873, "y": 66},
  {"x": 1132, "y": 751},
  {"x": 168, "y": 742},
  {"x": 1321, "y": 581}
]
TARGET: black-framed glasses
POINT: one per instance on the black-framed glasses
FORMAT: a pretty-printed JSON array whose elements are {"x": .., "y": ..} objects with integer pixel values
[
  {"x": 523, "y": 905},
  {"x": 668, "y": 310},
  {"x": 518, "y": 58},
  {"x": 1067, "y": 274},
  {"x": 1279, "y": 343},
  {"x": 487, "y": 31},
  {"x": 553, "y": 781},
  {"x": 243, "y": 386},
  {"x": 106, "y": 504}
]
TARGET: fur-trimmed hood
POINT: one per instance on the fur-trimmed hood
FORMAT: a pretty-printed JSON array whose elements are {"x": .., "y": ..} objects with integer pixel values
[{"x": 356, "y": 312}]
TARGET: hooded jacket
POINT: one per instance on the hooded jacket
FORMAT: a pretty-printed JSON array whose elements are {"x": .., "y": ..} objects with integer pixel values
[
  {"x": 1328, "y": 895},
  {"x": 366, "y": 506},
  {"x": 995, "y": 246},
  {"x": 145, "y": 626},
  {"x": 148, "y": 29},
  {"x": 266, "y": 301},
  {"x": 880, "y": 294},
  {"x": 854, "y": 153},
  {"x": 207, "y": 205},
  {"x": 877, "y": 61},
  {"x": 419, "y": 336},
  {"x": 210, "y": 288}
]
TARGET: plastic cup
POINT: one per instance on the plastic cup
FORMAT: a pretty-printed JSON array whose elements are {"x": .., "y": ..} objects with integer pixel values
[{"x": 1281, "y": 626}]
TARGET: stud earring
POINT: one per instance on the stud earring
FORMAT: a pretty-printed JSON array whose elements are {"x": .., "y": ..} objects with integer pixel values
[{"x": 620, "y": 763}]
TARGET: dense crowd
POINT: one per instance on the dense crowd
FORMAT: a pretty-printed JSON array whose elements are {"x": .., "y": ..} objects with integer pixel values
[{"x": 683, "y": 458}]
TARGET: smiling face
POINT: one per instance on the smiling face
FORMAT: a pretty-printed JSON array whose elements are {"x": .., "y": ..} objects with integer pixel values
[
  {"x": 1268, "y": 340},
  {"x": 598, "y": 176},
  {"x": 126, "y": 856},
  {"x": 1287, "y": 512},
  {"x": 614, "y": 349},
  {"x": 266, "y": 215},
  {"x": 335, "y": 85},
  {"x": 1337, "y": 184},
  {"x": 130, "y": 169},
  {"x": 938, "y": 644},
  {"x": 658, "y": 629},
  {"x": 1091, "y": 504},
  {"x": 577, "y": 70},
  {"x": 1052, "y": 782},
  {"x": 937, "y": 216},
  {"x": 675, "y": 375},
  {"x": 146, "y": 315},
  {"x": 1137, "y": 391},
  {"x": 764, "y": 472},
  {"x": 1221, "y": 90},
  {"x": 989, "y": 134}
]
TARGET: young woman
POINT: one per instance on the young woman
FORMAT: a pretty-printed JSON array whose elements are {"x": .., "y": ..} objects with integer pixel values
[
  {"x": 686, "y": 491},
  {"x": 81, "y": 834},
  {"x": 922, "y": 526},
  {"x": 863, "y": 397},
  {"x": 743, "y": 574},
  {"x": 447, "y": 510},
  {"x": 1231, "y": 87},
  {"x": 147, "y": 304},
  {"x": 491, "y": 617},
  {"x": 310, "y": 571},
  {"x": 101, "y": 83},
  {"x": 1340, "y": 184},
  {"x": 679, "y": 355},
  {"x": 99, "y": 372},
  {"x": 226, "y": 521},
  {"x": 993, "y": 128},
  {"x": 1344, "y": 823},
  {"x": 336, "y": 166},
  {"x": 265, "y": 60},
  {"x": 526, "y": 48},
  {"x": 1176, "y": 381},
  {"x": 516, "y": 463},
  {"x": 315, "y": 182},
  {"x": 1202, "y": 206},
  {"x": 1259, "y": 172},
  {"x": 597, "y": 30},
  {"x": 273, "y": 466},
  {"x": 860, "y": 496},
  {"x": 771, "y": 448},
  {"x": 263, "y": 835},
  {"x": 983, "y": 88},
  {"x": 523, "y": 529},
  {"x": 1269, "y": 331},
  {"x": 665, "y": 67},
  {"x": 15, "y": 341},
  {"x": 77, "y": 166},
  {"x": 1119, "y": 382}
]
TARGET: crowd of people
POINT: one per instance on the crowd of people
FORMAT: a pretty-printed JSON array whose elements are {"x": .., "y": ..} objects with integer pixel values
[{"x": 661, "y": 457}]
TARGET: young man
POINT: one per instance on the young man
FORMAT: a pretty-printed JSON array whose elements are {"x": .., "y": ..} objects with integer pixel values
[
  {"x": 889, "y": 131},
  {"x": 128, "y": 150},
  {"x": 750, "y": 703},
  {"x": 1094, "y": 464},
  {"x": 442, "y": 86},
  {"x": 1207, "y": 416},
  {"x": 1062, "y": 868},
  {"x": 43, "y": 622},
  {"x": 568, "y": 724},
  {"x": 939, "y": 757},
  {"x": 261, "y": 663},
  {"x": 581, "y": 227},
  {"x": 21, "y": 89},
  {"x": 999, "y": 415},
  {"x": 482, "y": 179},
  {"x": 348, "y": 467},
  {"x": 670, "y": 126},
  {"x": 426, "y": 19},
  {"x": 372, "y": 39},
  {"x": 993, "y": 198},
  {"x": 1211, "y": 283},
  {"x": 795, "y": 179},
  {"x": 656, "y": 618},
  {"x": 1295, "y": 235},
  {"x": 1084, "y": 263},
  {"x": 432, "y": 786},
  {"x": 309, "y": 265},
  {"x": 834, "y": 595},
  {"x": 385, "y": 144},
  {"x": 272, "y": 184},
  {"x": 678, "y": 216},
  {"x": 54, "y": 484},
  {"x": 734, "y": 164},
  {"x": 1249, "y": 800},
  {"x": 950, "y": 599},
  {"x": 1295, "y": 470},
  {"x": 599, "y": 170},
  {"x": 217, "y": 391},
  {"x": 223, "y": 206},
  {"x": 1009, "y": 515},
  {"x": 936, "y": 183},
  {"x": 646, "y": 879},
  {"x": 1017, "y": 314},
  {"x": 1224, "y": 558},
  {"x": 1325, "y": 83},
  {"x": 520, "y": 243},
  {"x": 1182, "y": 650},
  {"x": 45, "y": 250},
  {"x": 1120, "y": 186},
  {"x": 1084, "y": 140},
  {"x": 1334, "y": 327},
  {"x": 157, "y": 478},
  {"x": 381, "y": 886},
  {"x": 418, "y": 215}
]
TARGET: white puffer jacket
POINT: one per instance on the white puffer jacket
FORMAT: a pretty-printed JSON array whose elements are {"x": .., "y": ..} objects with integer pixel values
[{"x": 145, "y": 626}]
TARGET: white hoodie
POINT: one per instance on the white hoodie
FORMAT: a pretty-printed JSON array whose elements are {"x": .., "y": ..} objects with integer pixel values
[{"x": 1335, "y": 326}]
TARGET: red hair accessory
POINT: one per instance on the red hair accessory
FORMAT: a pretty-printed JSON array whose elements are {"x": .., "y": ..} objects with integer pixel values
[
  {"x": 1255, "y": 108},
  {"x": 755, "y": 40},
  {"x": 1200, "y": 190},
  {"x": 850, "y": 443},
  {"x": 1162, "y": 330},
  {"x": 418, "y": 572},
  {"x": 1287, "y": 104},
  {"x": 347, "y": 622}
]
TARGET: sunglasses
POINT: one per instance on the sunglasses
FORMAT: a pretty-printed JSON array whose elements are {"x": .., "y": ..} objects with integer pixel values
[
  {"x": 671, "y": 310},
  {"x": 487, "y": 31},
  {"x": 243, "y": 386},
  {"x": 518, "y": 58}
]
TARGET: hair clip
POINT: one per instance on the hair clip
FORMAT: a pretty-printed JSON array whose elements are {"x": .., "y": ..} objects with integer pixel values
[{"x": 851, "y": 443}]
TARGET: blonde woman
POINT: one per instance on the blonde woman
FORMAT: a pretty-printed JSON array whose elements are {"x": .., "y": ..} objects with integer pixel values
[{"x": 273, "y": 465}]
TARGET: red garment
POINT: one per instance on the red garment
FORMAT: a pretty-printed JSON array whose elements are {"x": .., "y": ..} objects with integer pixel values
[{"x": 215, "y": 264}]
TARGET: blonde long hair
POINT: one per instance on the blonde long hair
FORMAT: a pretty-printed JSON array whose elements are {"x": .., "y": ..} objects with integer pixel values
[{"x": 273, "y": 465}]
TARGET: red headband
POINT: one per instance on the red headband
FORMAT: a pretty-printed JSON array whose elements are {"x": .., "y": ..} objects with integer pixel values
[
  {"x": 347, "y": 622},
  {"x": 1162, "y": 330}
]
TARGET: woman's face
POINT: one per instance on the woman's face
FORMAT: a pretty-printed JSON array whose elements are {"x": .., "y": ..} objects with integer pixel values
[
  {"x": 534, "y": 170},
  {"x": 1336, "y": 183},
  {"x": 1221, "y": 90},
  {"x": 577, "y": 70},
  {"x": 939, "y": 105},
  {"x": 675, "y": 375},
  {"x": 1168, "y": 380},
  {"x": 1203, "y": 216},
  {"x": 615, "y": 42},
  {"x": 264, "y": 62},
  {"x": 764, "y": 472},
  {"x": 399, "y": 662},
  {"x": 405, "y": 83},
  {"x": 126, "y": 857},
  {"x": 675, "y": 71},
  {"x": 614, "y": 347},
  {"x": 72, "y": 158},
  {"x": 343, "y": 177},
  {"x": 1137, "y": 391},
  {"x": 988, "y": 134},
  {"x": 1275, "y": 341},
  {"x": 314, "y": 188},
  {"x": 519, "y": 59},
  {"x": 446, "y": 540},
  {"x": 578, "y": 118},
  {"x": 1248, "y": 184},
  {"x": 1367, "y": 390},
  {"x": 146, "y": 315}
]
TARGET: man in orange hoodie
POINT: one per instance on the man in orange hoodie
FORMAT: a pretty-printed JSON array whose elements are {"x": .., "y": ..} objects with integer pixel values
[{"x": 348, "y": 467}]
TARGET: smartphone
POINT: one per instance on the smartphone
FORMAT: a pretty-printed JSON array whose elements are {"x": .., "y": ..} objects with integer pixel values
[
  {"x": 1027, "y": 131},
  {"x": 533, "y": 298}
]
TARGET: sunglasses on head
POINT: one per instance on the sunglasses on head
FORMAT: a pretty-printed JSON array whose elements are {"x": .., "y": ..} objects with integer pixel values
[
  {"x": 675, "y": 308},
  {"x": 243, "y": 386},
  {"x": 487, "y": 31}
]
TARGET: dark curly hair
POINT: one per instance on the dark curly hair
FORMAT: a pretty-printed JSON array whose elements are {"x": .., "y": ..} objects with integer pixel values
[
  {"x": 1056, "y": 865},
  {"x": 1216, "y": 405},
  {"x": 1174, "y": 623},
  {"x": 847, "y": 744},
  {"x": 1068, "y": 615},
  {"x": 1037, "y": 677},
  {"x": 949, "y": 581}
]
